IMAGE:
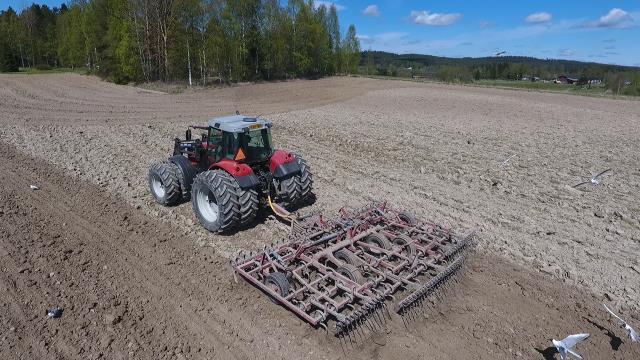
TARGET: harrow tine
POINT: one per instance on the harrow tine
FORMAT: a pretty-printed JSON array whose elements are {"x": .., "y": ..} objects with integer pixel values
[
  {"x": 386, "y": 310},
  {"x": 376, "y": 314},
  {"x": 369, "y": 326}
]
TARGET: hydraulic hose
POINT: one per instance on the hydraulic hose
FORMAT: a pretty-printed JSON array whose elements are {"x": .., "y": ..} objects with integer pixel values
[{"x": 284, "y": 216}]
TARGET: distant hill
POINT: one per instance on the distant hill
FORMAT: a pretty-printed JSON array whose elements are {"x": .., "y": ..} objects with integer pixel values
[{"x": 508, "y": 67}]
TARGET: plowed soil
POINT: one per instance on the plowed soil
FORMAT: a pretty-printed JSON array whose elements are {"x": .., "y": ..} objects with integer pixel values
[{"x": 140, "y": 281}]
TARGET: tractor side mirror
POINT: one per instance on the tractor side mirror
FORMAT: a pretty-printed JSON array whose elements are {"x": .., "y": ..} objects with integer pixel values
[{"x": 187, "y": 134}]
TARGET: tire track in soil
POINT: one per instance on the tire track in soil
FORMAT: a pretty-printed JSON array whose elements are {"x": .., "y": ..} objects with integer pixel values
[{"x": 155, "y": 265}]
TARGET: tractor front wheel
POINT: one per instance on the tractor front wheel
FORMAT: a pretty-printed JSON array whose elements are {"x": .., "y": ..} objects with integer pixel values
[
  {"x": 164, "y": 183},
  {"x": 215, "y": 201}
]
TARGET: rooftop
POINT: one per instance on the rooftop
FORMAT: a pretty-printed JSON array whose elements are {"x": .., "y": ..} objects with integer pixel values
[{"x": 238, "y": 123}]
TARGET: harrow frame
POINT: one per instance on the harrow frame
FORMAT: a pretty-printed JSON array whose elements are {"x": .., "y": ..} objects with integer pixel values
[{"x": 346, "y": 270}]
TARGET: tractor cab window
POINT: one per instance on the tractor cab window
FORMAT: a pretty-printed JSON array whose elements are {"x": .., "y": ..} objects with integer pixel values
[
  {"x": 214, "y": 141},
  {"x": 215, "y": 136},
  {"x": 256, "y": 145}
]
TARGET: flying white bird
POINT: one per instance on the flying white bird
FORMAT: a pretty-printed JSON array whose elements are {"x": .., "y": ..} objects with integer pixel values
[
  {"x": 566, "y": 345},
  {"x": 33, "y": 187},
  {"x": 633, "y": 335},
  {"x": 595, "y": 180},
  {"x": 504, "y": 163}
]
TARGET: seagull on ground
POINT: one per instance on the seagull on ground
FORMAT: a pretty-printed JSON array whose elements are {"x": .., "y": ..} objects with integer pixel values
[
  {"x": 55, "y": 313},
  {"x": 633, "y": 335},
  {"x": 33, "y": 187},
  {"x": 595, "y": 180},
  {"x": 566, "y": 345}
]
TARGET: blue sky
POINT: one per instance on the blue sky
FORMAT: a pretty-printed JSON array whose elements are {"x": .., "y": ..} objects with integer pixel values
[{"x": 587, "y": 30}]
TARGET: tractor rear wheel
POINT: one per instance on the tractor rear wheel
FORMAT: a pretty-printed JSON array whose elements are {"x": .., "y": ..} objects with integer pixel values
[
  {"x": 215, "y": 201},
  {"x": 164, "y": 183},
  {"x": 305, "y": 179},
  {"x": 297, "y": 190},
  {"x": 248, "y": 202},
  {"x": 290, "y": 191}
]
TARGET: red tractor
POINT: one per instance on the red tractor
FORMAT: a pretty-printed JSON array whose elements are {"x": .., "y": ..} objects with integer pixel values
[{"x": 230, "y": 173}]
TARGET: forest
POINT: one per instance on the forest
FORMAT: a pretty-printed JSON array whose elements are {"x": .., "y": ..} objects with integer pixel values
[
  {"x": 199, "y": 41},
  {"x": 467, "y": 69}
]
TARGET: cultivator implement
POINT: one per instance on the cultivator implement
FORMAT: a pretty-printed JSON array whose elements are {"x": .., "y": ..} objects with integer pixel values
[{"x": 347, "y": 271}]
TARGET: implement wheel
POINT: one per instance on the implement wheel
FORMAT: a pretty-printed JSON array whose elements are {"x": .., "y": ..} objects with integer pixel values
[
  {"x": 279, "y": 283},
  {"x": 408, "y": 218},
  {"x": 377, "y": 240},
  {"x": 351, "y": 272},
  {"x": 347, "y": 257},
  {"x": 408, "y": 248}
]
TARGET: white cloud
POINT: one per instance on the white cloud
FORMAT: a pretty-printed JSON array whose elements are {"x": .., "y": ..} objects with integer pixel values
[
  {"x": 486, "y": 24},
  {"x": 327, "y": 4},
  {"x": 538, "y": 18},
  {"x": 371, "y": 10},
  {"x": 365, "y": 39},
  {"x": 434, "y": 19},
  {"x": 566, "y": 53},
  {"x": 615, "y": 18}
]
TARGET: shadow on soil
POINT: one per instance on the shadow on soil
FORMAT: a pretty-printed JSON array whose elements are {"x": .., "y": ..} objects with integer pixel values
[{"x": 615, "y": 340}]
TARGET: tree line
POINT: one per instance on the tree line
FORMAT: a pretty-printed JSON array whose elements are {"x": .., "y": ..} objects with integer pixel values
[
  {"x": 615, "y": 77},
  {"x": 201, "y": 41}
]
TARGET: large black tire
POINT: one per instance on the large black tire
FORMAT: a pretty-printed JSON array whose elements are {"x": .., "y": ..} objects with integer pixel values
[
  {"x": 248, "y": 202},
  {"x": 215, "y": 201},
  {"x": 305, "y": 180},
  {"x": 164, "y": 184},
  {"x": 186, "y": 174},
  {"x": 297, "y": 190},
  {"x": 290, "y": 192}
]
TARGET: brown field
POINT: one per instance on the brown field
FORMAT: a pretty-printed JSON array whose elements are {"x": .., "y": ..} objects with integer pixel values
[{"x": 138, "y": 280}]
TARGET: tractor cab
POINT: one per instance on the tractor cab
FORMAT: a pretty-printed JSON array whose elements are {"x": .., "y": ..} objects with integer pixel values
[{"x": 239, "y": 138}]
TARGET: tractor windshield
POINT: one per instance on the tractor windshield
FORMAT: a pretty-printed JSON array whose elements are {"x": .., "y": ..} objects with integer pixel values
[{"x": 255, "y": 145}]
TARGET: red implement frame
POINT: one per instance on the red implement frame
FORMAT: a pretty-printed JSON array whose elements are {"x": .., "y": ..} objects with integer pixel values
[{"x": 346, "y": 270}]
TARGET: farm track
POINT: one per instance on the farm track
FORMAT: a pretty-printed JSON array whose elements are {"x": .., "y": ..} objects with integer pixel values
[{"x": 135, "y": 277}]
